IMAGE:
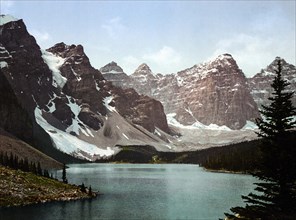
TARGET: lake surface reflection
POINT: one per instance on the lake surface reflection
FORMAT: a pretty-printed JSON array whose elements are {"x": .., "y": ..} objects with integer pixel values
[{"x": 144, "y": 191}]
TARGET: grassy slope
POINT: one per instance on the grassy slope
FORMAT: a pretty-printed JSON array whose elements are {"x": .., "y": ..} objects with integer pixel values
[
  {"x": 11, "y": 144},
  {"x": 24, "y": 188}
]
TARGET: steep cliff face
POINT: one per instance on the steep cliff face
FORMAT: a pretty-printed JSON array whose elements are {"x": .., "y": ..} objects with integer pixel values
[
  {"x": 214, "y": 92},
  {"x": 76, "y": 78},
  {"x": 260, "y": 83},
  {"x": 23, "y": 66},
  {"x": 141, "y": 110}
]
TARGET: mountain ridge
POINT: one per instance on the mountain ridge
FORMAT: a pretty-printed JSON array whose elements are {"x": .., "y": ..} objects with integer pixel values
[{"x": 212, "y": 92}]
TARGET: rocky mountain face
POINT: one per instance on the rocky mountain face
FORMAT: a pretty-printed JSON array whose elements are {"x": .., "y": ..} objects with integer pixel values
[
  {"x": 260, "y": 83},
  {"x": 114, "y": 72},
  {"x": 69, "y": 103},
  {"x": 214, "y": 92},
  {"x": 23, "y": 66},
  {"x": 88, "y": 85}
]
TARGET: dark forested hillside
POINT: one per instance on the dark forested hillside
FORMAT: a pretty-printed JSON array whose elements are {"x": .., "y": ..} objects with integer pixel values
[{"x": 240, "y": 157}]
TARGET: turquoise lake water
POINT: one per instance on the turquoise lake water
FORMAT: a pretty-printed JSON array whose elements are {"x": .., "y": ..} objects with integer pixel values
[{"x": 144, "y": 191}]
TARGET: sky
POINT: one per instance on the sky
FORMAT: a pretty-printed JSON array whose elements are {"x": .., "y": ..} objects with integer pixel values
[{"x": 167, "y": 35}]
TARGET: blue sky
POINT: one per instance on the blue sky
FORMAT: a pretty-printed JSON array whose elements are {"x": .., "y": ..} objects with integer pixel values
[{"x": 167, "y": 35}]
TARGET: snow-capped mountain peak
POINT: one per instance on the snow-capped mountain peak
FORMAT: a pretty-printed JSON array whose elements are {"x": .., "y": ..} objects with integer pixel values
[
  {"x": 215, "y": 66},
  {"x": 225, "y": 56},
  {"x": 222, "y": 60}
]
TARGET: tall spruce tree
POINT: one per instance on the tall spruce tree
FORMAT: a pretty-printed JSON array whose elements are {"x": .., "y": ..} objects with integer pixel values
[{"x": 275, "y": 196}]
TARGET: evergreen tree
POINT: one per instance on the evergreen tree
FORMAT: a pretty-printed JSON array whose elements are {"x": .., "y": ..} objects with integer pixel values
[
  {"x": 39, "y": 170},
  {"x": 26, "y": 167},
  {"x": 5, "y": 159},
  {"x": 45, "y": 173},
  {"x": 276, "y": 193},
  {"x": 33, "y": 168},
  {"x": 89, "y": 191},
  {"x": 10, "y": 160},
  {"x": 15, "y": 162},
  {"x": 1, "y": 158},
  {"x": 82, "y": 188},
  {"x": 64, "y": 175}
]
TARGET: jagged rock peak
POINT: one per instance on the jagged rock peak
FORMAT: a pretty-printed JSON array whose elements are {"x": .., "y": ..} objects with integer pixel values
[
  {"x": 222, "y": 65},
  {"x": 64, "y": 49},
  {"x": 143, "y": 69},
  {"x": 4, "y": 19},
  {"x": 223, "y": 59},
  {"x": 273, "y": 66},
  {"x": 111, "y": 68},
  {"x": 260, "y": 84},
  {"x": 73, "y": 53},
  {"x": 287, "y": 68},
  {"x": 58, "y": 48},
  {"x": 225, "y": 56}
]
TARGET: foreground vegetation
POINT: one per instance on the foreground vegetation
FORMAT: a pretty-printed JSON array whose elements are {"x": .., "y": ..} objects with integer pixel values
[
  {"x": 23, "y": 182},
  {"x": 275, "y": 196},
  {"x": 23, "y": 188}
]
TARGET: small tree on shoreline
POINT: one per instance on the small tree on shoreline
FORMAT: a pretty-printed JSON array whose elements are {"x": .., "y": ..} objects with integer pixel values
[
  {"x": 64, "y": 174},
  {"x": 276, "y": 194}
]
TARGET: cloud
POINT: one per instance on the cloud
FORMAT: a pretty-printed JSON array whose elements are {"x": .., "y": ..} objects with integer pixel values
[
  {"x": 252, "y": 53},
  {"x": 114, "y": 27},
  {"x": 165, "y": 56}
]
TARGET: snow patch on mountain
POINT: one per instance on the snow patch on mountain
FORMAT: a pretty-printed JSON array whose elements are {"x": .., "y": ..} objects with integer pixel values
[
  {"x": 97, "y": 87},
  {"x": 3, "y": 64},
  {"x": 268, "y": 73},
  {"x": 197, "y": 125},
  {"x": 4, "y": 19},
  {"x": 157, "y": 132},
  {"x": 112, "y": 72},
  {"x": 51, "y": 105},
  {"x": 205, "y": 69},
  {"x": 54, "y": 63},
  {"x": 70, "y": 144},
  {"x": 124, "y": 135},
  {"x": 250, "y": 126},
  {"x": 107, "y": 101},
  {"x": 76, "y": 75},
  {"x": 77, "y": 124}
]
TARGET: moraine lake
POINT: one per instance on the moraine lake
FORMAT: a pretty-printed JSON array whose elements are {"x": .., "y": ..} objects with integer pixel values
[{"x": 144, "y": 191}]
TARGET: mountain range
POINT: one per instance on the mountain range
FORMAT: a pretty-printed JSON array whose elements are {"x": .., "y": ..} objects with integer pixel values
[{"x": 57, "y": 102}]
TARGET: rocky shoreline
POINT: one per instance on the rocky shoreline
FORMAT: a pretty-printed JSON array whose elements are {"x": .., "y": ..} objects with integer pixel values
[{"x": 18, "y": 188}]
